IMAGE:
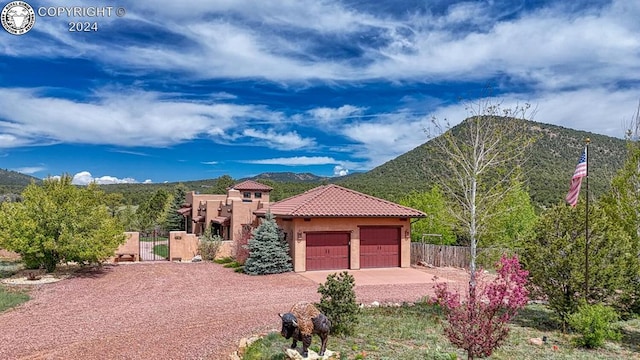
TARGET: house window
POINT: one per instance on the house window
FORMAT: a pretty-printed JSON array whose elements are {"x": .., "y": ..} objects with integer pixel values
[
  {"x": 246, "y": 195},
  {"x": 257, "y": 195}
]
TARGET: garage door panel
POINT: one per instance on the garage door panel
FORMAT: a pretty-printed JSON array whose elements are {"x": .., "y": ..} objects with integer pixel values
[
  {"x": 379, "y": 247},
  {"x": 327, "y": 251}
]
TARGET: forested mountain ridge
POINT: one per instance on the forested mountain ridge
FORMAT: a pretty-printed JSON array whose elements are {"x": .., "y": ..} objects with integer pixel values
[
  {"x": 550, "y": 163},
  {"x": 287, "y": 177},
  {"x": 13, "y": 182}
]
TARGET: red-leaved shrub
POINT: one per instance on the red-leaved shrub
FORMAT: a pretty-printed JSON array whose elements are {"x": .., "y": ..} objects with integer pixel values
[
  {"x": 479, "y": 324},
  {"x": 242, "y": 252}
]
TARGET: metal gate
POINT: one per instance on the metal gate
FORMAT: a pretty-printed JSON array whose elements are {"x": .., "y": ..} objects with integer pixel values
[{"x": 154, "y": 246}]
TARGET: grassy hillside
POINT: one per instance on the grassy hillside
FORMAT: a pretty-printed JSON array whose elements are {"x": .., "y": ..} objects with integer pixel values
[{"x": 551, "y": 162}]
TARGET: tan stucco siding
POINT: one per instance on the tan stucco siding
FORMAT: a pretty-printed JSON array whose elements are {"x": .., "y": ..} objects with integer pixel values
[{"x": 351, "y": 225}]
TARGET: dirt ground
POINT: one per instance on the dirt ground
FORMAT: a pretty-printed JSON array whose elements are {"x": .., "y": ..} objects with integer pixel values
[{"x": 166, "y": 310}]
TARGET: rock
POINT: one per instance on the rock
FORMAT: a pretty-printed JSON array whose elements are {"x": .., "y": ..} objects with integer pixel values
[
  {"x": 536, "y": 341},
  {"x": 196, "y": 258},
  {"x": 375, "y": 304},
  {"x": 242, "y": 347},
  {"x": 295, "y": 355},
  {"x": 234, "y": 356}
]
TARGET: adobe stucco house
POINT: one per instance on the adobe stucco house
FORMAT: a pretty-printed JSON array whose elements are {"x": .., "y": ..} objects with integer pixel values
[
  {"x": 226, "y": 213},
  {"x": 328, "y": 228},
  {"x": 331, "y": 228}
]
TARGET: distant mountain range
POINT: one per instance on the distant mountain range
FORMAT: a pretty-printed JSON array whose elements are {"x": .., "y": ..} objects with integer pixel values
[
  {"x": 12, "y": 182},
  {"x": 288, "y": 177},
  {"x": 552, "y": 160}
]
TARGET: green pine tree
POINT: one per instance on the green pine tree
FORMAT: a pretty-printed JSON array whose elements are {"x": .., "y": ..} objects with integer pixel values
[
  {"x": 268, "y": 251},
  {"x": 175, "y": 221},
  {"x": 555, "y": 258}
]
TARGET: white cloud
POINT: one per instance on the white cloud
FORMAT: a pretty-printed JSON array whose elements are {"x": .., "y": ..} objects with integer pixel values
[
  {"x": 85, "y": 178},
  {"x": 129, "y": 118},
  {"x": 209, "y": 162},
  {"x": 295, "y": 161},
  {"x": 29, "y": 170},
  {"x": 330, "y": 115},
  {"x": 385, "y": 137},
  {"x": 148, "y": 181},
  {"x": 340, "y": 170},
  {"x": 281, "y": 141},
  {"x": 247, "y": 39}
]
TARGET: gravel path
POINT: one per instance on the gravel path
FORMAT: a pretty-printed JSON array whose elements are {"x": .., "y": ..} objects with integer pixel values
[{"x": 162, "y": 310}]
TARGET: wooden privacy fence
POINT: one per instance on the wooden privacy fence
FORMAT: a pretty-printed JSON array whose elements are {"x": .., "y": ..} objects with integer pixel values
[
  {"x": 454, "y": 256},
  {"x": 440, "y": 255}
]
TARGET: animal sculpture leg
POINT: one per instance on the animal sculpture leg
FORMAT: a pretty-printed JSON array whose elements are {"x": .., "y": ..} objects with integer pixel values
[{"x": 306, "y": 342}]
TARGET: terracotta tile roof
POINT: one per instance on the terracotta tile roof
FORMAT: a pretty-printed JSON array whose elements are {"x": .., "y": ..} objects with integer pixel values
[
  {"x": 337, "y": 201},
  {"x": 251, "y": 185}
]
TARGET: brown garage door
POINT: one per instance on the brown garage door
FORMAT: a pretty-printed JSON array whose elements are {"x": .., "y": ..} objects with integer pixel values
[
  {"x": 328, "y": 250},
  {"x": 379, "y": 247}
]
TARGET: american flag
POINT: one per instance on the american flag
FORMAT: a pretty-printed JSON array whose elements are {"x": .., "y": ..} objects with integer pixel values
[{"x": 576, "y": 180}]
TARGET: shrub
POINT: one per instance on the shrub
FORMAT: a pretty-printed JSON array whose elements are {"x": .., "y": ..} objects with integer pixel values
[
  {"x": 594, "y": 324},
  {"x": 479, "y": 324},
  {"x": 209, "y": 245},
  {"x": 338, "y": 302},
  {"x": 242, "y": 244}
]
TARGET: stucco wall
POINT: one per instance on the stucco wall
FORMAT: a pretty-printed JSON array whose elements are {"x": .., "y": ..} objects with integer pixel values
[
  {"x": 242, "y": 213},
  {"x": 182, "y": 246},
  {"x": 299, "y": 225},
  {"x": 131, "y": 245},
  {"x": 226, "y": 249},
  {"x": 6, "y": 254}
]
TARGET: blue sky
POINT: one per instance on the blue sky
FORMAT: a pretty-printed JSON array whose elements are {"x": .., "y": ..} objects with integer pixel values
[{"x": 186, "y": 90}]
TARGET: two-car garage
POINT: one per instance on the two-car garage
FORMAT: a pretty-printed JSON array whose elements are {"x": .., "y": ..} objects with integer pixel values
[
  {"x": 334, "y": 228},
  {"x": 379, "y": 247}
]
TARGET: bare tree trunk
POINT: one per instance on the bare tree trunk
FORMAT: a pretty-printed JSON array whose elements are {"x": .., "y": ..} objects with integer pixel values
[{"x": 472, "y": 236}]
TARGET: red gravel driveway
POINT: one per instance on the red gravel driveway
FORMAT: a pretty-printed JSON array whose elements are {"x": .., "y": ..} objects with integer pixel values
[{"x": 162, "y": 310}]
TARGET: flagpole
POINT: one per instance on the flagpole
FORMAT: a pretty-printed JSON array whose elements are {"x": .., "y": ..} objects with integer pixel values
[{"x": 586, "y": 238}]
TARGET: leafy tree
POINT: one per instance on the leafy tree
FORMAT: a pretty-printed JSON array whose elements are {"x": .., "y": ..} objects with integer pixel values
[
  {"x": 222, "y": 183},
  {"x": 622, "y": 202},
  {"x": 174, "y": 220},
  {"x": 154, "y": 211},
  {"x": 555, "y": 258},
  {"x": 479, "y": 324},
  {"x": 128, "y": 217},
  {"x": 268, "y": 251},
  {"x": 479, "y": 160},
  {"x": 438, "y": 221},
  {"x": 57, "y": 222},
  {"x": 513, "y": 222},
  {"x": 114, "y": 201}
]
